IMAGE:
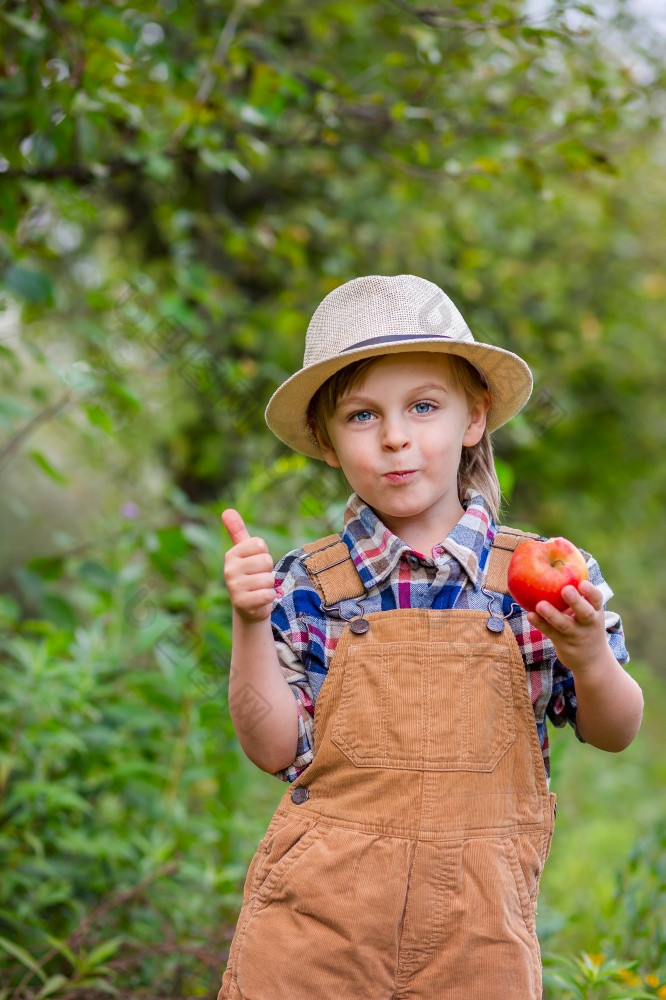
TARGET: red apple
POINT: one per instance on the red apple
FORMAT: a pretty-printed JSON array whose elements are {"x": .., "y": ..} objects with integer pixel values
[{"x": 539, "y": 570}]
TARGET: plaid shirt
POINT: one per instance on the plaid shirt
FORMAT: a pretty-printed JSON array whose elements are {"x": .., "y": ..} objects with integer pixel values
[{"x": 396, "y": 576}]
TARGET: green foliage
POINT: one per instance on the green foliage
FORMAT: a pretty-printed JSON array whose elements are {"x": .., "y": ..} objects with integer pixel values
[
  {"x": 640, "y": 897},
  {"x": 116, "y": 831},
  {"x": 180, "y": 184},
  {"x": 128, "y": 814},
  {"x": 593, "y": 976},
  {"x": 603, "y": 904}
]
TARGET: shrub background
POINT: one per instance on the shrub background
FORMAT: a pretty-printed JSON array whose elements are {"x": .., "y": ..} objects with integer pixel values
[{"x": 180, "y": 183}]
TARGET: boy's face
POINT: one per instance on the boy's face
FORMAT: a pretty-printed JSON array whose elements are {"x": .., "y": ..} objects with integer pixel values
[{"x": 398, "y": 438}]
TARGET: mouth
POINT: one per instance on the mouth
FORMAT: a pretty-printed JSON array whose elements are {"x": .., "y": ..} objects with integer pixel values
[{"x": 400, "y": 477}]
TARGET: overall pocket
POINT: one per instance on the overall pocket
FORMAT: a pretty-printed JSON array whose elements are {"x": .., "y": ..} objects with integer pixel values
[
  {"x": 282, "y": 850},
  {"x": 525, "y": 856},
  {"x": 442, "y": 707}
]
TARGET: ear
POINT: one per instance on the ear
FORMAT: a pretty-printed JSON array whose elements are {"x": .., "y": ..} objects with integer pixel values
[
  {"x": 477, "y": 421},
  {"x": 328, "y": 452}
]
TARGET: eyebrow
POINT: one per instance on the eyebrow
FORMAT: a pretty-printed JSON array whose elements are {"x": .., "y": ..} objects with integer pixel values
[{"x": 356, "y": 398}]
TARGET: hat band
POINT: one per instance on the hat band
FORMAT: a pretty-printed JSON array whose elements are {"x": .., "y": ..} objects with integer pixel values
[
  {"x": 400, "y": 336},
  {"x": 395, "y": 336}
]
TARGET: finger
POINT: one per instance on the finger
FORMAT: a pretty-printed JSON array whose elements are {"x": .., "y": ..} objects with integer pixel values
[
  {"x": 543, "y": 626},
  {"x": 583, "y": 610},
  {"x": 255, "y": 608},
  {"x": 592, "y": 593},
  {"x": 574, "y": 599},
  {"x": 538, "y": 620},
  {"x": 259, "y": 598},
  {"x": 549, "y": 620},
  {"x": 250, "y": 564},
  {"x": 261, "y": 581},
  {"x": 235, "y": 525}
]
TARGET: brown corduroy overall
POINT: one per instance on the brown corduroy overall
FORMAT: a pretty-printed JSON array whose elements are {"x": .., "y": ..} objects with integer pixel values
[{"x": 404, "y": 862}]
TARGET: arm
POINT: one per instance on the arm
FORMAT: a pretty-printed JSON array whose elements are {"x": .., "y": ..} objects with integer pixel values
[
  {"x": 268, "y": 737},
  {"x": 610, "y": 702}
]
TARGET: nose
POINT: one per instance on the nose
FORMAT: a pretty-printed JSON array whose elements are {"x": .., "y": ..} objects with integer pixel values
[{"x": 395, "y": 436}]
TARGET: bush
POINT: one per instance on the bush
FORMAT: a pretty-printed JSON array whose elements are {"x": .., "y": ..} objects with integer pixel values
[{"x": 118, "y": 843}]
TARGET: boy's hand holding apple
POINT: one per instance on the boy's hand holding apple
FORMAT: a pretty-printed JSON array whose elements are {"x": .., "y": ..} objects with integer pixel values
[
  {"x": 248, "y": 571},
  {"x": 550, "y": 580},
  {"x": 538, "y": 571}
]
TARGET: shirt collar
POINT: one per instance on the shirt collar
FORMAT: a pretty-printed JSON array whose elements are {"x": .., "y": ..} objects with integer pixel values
[{"x": 376, "y": 551}]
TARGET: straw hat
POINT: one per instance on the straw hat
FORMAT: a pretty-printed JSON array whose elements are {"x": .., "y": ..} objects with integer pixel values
[{"x": 376, "y": 315}]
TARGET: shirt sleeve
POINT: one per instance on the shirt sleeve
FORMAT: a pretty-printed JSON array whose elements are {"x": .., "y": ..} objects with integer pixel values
[
  {"x": 291, "y": 642},
  {"x": 293, "y": 670},
  {"x": 562, "y": 706}
]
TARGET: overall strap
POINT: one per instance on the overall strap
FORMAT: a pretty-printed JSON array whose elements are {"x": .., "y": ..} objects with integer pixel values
[
  {"x": 505, "y": 542},
  {"x": 330, "y": 567}
]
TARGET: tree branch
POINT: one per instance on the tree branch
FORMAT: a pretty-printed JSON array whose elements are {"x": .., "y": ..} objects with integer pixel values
[
  {"x": 208, "y": 82},
  {"x": 425, "y": 173},
  {"x": 15, "y": 442},
  {"x": 81, "y": 173},
  {"x": 79, "y": 934},
  {"x": 221, "y": 49},
  {"x": 451, "y": 18},
  {"x": 423, "y": 15}
]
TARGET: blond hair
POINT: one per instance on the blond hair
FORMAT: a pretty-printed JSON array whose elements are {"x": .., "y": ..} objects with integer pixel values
[{"x": 476, "y": 472}]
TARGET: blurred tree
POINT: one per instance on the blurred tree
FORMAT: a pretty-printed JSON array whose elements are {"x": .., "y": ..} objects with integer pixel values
[{"x": 181, "y": 183}]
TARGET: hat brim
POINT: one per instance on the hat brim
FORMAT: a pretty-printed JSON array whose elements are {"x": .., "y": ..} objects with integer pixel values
[{"x": 507, "y": 376}]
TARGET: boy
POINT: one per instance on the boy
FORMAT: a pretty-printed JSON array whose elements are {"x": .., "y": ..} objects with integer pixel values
[{"x": 404, "y": 860}]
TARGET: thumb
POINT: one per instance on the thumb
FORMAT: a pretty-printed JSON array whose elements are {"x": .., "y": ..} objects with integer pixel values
[{"x": 235, "y": 525}]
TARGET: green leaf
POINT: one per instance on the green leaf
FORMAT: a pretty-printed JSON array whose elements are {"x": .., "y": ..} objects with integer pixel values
[
  {"x": 487, "y": 164},
  {"x": 51, "y": 986},
  {"x": 172, "y": 543},
  {"x": 101, "y": 953},
  {"x": 397, "y": 110},
  {"x": 63, "y": 949},
  {"x": 28, "y": 284},
  {"x": 50, "y": 796},
  {"x": 9, "y": 608},
  {"x": 100, "y": 418},
  {"x": 33, "y": 29},
  {"x": 502, "y": 10},
  {"x": 48, "y": 567},
  {"x": 222, "y": 161},
  {"x": 23, "y": 956},
  {"x": 97, "y": 574},
  {"x": 46, "y": 467},
  {"x": 9, "y": 211},
  {"x": 78, "y": 376},
  {"x": 11, "y": 410},
  {"x": 97, "y": 984},
  {"x": 201, "y": 537},
  {"x": 506, "y": 477},
  {"x": 59, "y": 611}
]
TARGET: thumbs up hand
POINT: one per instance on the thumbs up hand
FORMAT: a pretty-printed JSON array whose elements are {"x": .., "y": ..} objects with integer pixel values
[{"x": 248, "y": 571}]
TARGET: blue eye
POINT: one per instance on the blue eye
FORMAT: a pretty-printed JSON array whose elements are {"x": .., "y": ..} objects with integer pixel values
[
  {"x": 427, "y": 409},
  {"x": 362, "y": 416}
]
